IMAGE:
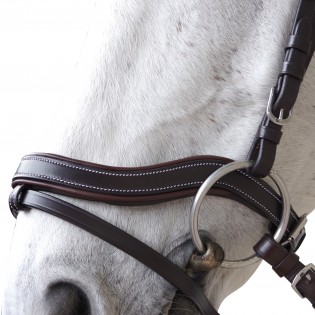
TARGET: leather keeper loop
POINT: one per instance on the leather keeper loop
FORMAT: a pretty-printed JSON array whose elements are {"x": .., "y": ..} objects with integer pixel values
[
  {"x": 299, "y": 42},
  {"x": 294, "y": 70},
  {"x": 270, "y": 134},
  {"x": 14, "y": 200},
  {"x": 286, "y": 266}
]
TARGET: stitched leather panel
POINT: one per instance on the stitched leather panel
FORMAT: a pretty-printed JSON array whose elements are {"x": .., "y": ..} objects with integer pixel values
[{"x": 147, "y": 185}]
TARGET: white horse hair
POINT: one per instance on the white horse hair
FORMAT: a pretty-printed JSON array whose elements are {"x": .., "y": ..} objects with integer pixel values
[{"x": 162, "y": 80}]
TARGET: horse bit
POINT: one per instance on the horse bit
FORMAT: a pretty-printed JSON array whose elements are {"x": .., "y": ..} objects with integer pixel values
[{"x": 240, "y": 181}]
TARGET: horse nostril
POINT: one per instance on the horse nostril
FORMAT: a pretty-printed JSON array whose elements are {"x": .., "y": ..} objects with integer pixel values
[{"x": 67, "y": 299}]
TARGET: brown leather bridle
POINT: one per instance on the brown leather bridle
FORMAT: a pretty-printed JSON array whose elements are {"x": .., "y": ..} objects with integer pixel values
[{"x": 182, "y": 178}]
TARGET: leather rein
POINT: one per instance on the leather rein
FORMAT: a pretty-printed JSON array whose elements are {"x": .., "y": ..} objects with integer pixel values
[{"x": 40, "y": 173}]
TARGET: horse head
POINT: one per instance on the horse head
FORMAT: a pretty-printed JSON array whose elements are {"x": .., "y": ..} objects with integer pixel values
[{"x": 161, "y": 82}]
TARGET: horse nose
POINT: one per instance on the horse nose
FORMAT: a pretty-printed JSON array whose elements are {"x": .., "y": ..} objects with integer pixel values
[{"x": 67, "y": 299}]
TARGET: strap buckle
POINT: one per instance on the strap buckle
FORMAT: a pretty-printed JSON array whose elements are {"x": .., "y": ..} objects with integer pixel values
[
  {"x": 297, "y": 236},
  {"x": 303, "y": 273},
  {"x": 276, "y": 120}
]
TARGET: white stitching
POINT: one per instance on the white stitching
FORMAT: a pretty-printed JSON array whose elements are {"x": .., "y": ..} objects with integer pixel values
[
  {"x": 144, "y": 174},
  {"x": 258, "y": 183},
  {"x": 123, "y": 174},
  {"x": 109, "y": 189},
  {"x": 146, "y": 190},
  {"x": 245, "y": 194},
  {"x": 268, "y": 191}
]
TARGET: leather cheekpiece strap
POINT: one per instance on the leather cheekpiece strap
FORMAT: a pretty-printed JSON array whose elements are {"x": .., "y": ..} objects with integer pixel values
[
  {"x": 270, "y": 134},
  {"x": 300, "y": 43},
  {"x": 298, "y": 54}
]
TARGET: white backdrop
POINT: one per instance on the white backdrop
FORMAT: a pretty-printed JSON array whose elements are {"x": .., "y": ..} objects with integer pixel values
[{"x": 40, "y": 45}]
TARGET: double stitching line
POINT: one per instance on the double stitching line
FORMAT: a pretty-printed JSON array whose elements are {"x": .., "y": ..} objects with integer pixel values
[
  {"x": 146, "y": 173},
  {"x": 121, "y": 174},
  {"x": 57, "y": 179}
]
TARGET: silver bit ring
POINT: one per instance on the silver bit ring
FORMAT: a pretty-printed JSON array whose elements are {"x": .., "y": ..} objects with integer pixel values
[{"x": 202, "y": 192}]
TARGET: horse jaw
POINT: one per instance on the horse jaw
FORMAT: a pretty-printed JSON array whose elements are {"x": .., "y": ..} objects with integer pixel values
[{"x": 162, "y": 81}]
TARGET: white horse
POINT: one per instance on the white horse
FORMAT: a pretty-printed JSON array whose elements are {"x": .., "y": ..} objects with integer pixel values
[{"x": 161, "y": 81}]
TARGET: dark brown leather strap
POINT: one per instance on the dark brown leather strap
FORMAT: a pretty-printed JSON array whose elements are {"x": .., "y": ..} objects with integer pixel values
[
  {"x": 287, "y": 264},
  {"x": 146, "y": 185},
  {"x": 298, "y": 54},
  {"x": 20, "y": 200}
]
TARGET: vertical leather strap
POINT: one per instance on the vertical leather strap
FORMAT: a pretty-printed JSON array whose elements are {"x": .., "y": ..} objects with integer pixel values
[
  {"x": 298, "y": 54},
  {"x": 287, "y": 264}
]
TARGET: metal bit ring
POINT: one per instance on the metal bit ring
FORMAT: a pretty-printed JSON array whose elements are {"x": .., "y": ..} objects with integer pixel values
[{"x": 202, "y": 192}]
